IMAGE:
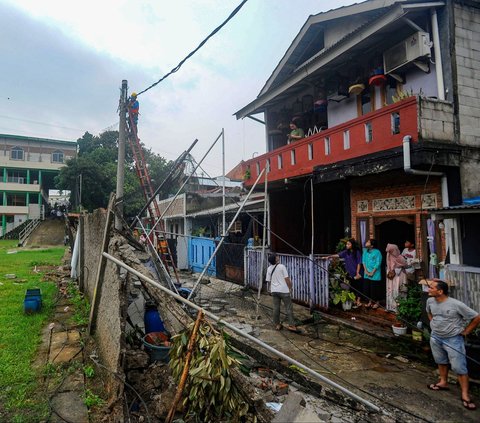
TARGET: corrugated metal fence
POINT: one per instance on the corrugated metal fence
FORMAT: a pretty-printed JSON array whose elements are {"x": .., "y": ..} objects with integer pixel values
[
  {"x": 310, "y": 278},
  {"x": 465, "y": 281}
]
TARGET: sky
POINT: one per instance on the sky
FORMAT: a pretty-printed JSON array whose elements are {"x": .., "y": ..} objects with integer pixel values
[{"x": 63, "y": 63}]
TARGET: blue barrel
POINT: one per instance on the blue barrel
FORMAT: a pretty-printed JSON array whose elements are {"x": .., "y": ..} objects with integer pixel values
[
  {"x": 33, "y": 300},
  {"x": 152, "y": 319}
]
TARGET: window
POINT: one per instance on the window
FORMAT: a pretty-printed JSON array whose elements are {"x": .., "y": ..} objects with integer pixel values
[
  {"x": 57, "y": 156},
  {"x": 268, "y": 165},
  {"x": 293, "y": 158},
  {"x": 346, "y": 140},
  {"x": 327, "y": 146},
  {"x": 366, "y": 99},
  {"x": 17, "y": 153},
  {"x": 395, "y": 123},
  {"x": 310, "y": 151},
  {"x": 280, "y": 161},
  {"x": 368, "y": 132},
  {"x": 258, "y": 168}
]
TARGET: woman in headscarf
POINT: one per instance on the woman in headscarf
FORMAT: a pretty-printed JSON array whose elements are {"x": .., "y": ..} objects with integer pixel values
[{"x": 396, "y": 276}]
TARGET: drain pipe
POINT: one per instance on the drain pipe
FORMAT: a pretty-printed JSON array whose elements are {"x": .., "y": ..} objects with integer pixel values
[
  {"x": 438, "y": 55},
  {"x": 407, "y": 167}
]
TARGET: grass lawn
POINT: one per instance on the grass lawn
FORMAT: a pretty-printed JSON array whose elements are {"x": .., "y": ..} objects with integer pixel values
[{"x": 20, "y": 334}]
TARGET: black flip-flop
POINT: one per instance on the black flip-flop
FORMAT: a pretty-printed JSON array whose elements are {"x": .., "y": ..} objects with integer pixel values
[
  {"x": 468, "y": 404},
  {"x": 437, "y": 387}
]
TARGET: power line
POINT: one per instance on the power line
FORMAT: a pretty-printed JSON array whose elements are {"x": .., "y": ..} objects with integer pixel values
[{"x": 218, "y": 28}]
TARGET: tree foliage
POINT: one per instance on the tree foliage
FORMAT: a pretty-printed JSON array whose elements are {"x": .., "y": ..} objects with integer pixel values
[{"x": 96, "y": 168}]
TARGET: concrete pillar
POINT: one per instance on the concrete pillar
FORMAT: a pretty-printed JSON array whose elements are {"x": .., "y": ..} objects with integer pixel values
[
  {"x": 28, "y": 176},
  {"x": 4, "y": 223},
  {"x": 4, "y": 174},
  {"x": 28, "y": 198}
]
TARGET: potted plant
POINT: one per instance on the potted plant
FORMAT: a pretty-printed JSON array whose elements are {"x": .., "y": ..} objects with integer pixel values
[
  {"x": 409, "y": 310},
  {"x": 339, "y": 287},
  {"x": 344, "y": 296}
]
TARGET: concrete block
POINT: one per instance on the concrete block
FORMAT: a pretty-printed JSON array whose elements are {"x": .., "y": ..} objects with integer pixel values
[{"x": 292, "y": 406}]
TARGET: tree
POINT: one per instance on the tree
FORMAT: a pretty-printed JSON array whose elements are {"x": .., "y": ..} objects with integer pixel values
[{"x": 96, "y": 166}]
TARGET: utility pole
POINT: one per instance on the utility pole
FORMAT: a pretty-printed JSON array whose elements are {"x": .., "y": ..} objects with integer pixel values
[{"x": 122, "y": 129}]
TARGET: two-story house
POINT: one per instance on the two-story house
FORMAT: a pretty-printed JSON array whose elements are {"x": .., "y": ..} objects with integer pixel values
[
  {"x": 388, "y": 95},
  {"x": 28, "y": 166}
]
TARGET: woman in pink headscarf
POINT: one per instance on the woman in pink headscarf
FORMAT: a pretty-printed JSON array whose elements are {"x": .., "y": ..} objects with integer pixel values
[{"x": 396, "y": 276}]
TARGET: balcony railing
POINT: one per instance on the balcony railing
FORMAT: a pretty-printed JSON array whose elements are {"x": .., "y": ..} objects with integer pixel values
[{"x": 376, "y": 131}]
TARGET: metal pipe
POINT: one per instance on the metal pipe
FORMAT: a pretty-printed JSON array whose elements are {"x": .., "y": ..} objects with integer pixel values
[
  {"x": 185, "y": 183},
  {"x": 407, "y": 167},
  {"x": 174, "y": 168},
  {"x": 438, "y": 55},
  {"x": 243, "y": 334},
  {"x": 223, "y": 237},
  {"x": 264, "y": 235}
]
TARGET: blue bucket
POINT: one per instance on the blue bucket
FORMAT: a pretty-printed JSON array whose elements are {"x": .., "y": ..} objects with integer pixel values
[{"x": 155, "y": 345}]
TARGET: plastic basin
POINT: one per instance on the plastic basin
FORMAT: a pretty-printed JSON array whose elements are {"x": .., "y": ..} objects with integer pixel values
[{"x": 158, "y": 346}]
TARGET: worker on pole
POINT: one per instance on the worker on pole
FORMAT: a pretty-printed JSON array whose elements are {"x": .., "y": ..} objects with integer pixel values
[{"x": 133, "y": 107}]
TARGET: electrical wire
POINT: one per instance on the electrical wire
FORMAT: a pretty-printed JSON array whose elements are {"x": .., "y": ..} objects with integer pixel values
[{"x": 218, "y": 28}]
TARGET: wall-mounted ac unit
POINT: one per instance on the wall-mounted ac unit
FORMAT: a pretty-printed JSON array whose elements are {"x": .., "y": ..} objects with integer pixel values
[{"x": 415, "y": 46}]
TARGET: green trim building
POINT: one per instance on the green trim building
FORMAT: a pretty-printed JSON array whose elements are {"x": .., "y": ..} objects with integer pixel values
[{"x": 28, "y": 166}]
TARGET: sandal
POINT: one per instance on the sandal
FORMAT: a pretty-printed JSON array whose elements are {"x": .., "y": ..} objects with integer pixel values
[
  {"x": 293, "y": 329},
  {"x": 279, "y": 327},
  {"x": 437, "y": 387},
  {"x": 375, "y": 306},
  {"x": 468, "y": 404}
]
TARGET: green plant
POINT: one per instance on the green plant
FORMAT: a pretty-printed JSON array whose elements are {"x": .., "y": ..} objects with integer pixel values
[
  {"x": 247, "y": 174},
  {"x": 343, "y": 296},
  {"x": 89, "y": 371},
  {"x": 210, "y": 393},
  {"x": 91, "y": 399},
  {"x": 80, "y": 304},
  {"x": 409, "y": 308}
]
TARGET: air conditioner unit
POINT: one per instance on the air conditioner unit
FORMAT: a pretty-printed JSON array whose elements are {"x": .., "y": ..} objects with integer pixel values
[{"x": 415, "y": 46}]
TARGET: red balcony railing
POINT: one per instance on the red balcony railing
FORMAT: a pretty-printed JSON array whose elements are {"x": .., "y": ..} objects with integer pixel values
[{"x": 373, "y": 132}]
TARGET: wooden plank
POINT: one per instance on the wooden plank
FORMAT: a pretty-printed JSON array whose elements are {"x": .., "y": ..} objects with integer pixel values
[{"x": 101, "y": 268}]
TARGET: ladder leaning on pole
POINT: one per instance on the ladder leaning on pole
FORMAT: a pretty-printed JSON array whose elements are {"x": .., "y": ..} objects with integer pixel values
[{"x": 162, "y": 246}]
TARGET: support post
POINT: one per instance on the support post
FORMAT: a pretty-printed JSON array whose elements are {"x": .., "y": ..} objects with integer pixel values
[
  {"x": 264, "y": 234},
  {"x": 223, "y": 184},
  {"x": 122, "y": 129},
  {"x": 100, "y": 269}
]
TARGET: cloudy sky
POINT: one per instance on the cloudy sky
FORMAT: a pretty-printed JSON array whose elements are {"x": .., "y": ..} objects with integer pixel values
[{"x": 63, "y": 63}]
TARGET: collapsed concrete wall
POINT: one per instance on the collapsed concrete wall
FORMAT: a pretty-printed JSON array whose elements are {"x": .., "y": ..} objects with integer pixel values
[{"x": 111, "y": 310}]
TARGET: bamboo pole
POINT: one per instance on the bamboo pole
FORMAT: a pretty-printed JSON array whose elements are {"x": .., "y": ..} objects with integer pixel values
[{"x": 183, "y": 379}]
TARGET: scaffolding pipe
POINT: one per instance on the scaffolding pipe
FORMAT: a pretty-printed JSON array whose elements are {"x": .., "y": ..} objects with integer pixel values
[
  {"x": 183, "y": 185},
  {"x": 223, "y": 237},
  {"x": 243, "y": 334},
  {"x": 175, "y": 166}
]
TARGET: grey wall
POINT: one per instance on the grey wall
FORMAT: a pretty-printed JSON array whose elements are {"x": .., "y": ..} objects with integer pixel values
[
  {"x": 467, "y": 57},
  {"x": 109, "y": 334}
]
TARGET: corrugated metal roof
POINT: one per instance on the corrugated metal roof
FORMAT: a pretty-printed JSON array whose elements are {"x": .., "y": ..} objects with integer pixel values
[{"x": 459, "y": 207}]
